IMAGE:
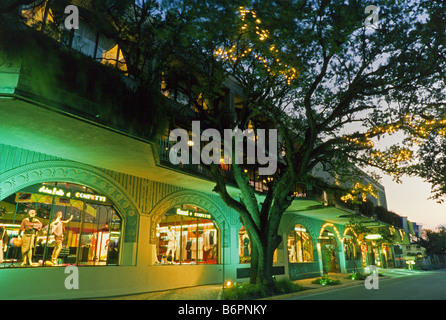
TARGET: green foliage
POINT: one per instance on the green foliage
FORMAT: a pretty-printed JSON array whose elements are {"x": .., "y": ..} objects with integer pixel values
[
  {"x": 326, "y": 280},
  {"x": 434, "y": 241},
  {"x": 360, "y": 275},
  {"x": 432, "y": 167},
  {"x": 357, "y": 276},
  {"x": 248, "y": 291}
]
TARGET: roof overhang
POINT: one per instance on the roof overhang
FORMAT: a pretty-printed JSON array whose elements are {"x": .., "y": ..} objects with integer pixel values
[{"x": 32, "y": 126}]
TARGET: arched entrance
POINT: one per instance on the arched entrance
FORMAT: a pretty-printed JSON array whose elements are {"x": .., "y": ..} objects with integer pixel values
[
  {"x": 329, "y": 247},
  {"x": 62, "y": 223},
  {"x": 187, "y": 235},
  {"x": 189, "y": 211},
  {"x": 68, "y": 171}
]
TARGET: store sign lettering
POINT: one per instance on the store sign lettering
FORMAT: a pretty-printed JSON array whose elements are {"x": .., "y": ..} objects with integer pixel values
[
  {"x": 77, "y": 195},
  {"x": 193, "y": 214},
  {"x": 54, "y": 191},
  {"x": 89, "y": 196}
]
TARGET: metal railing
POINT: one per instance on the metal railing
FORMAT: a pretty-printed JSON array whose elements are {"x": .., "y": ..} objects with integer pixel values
[{"x": 259, "y": 183}]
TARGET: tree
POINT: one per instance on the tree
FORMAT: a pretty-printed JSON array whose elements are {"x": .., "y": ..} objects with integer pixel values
[
  {"x": 434, "y": 241},
  {"x": 330, "y": 86},
  {"x": 432, "y": 166}
]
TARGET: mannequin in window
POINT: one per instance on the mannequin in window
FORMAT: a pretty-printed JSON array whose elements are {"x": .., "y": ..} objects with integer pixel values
[
  {"x": 246, "y": 246},
  {"x": 57, "y": 228},
  {"x": 171, "y": 242},
  {"x": 157, "y": 243},
  {"x": 293, "y": 253},
  {"x": 28, "y": 229},
  {"x": 4, "y": 239}
]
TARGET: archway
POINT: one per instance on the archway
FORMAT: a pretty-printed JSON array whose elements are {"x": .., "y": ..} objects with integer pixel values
[
  {"x": 73, "y": 172},
  {"x": 329, "y": 248},
  {"x": 191, "y": 198},
  {"x": 300, "y": 240}
]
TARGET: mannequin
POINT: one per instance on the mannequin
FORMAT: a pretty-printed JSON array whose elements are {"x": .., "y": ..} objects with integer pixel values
[
  {"x": 3, "y": 235},
  {"x": 293, "y": 253},
  {"x": 28, "y": 230},
  {"x": 171, "y": 243},
  {"x": 246, "y": 246},
  {"x": 57, "y": 228}
]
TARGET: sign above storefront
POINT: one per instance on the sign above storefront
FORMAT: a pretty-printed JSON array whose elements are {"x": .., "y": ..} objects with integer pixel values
[
  {"x": 373, "y": 236},
  {"x": 69, "y": 194},
  {"x": 188, "y": 213},
  {"x": 66, "y": 193}
]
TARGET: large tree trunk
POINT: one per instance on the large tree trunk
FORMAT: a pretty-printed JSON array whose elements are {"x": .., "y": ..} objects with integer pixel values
[
  {"x": 262, "y": 223},
  {"x": 263, "y": 249}
]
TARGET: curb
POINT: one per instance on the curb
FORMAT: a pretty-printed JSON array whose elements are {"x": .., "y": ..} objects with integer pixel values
[{"x": 308, "y": 290}]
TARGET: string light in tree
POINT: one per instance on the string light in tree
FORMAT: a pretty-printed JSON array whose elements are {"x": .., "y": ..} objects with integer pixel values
[
  {"x": 244, "y": 47},
  {"x": 360, "y": 190}
]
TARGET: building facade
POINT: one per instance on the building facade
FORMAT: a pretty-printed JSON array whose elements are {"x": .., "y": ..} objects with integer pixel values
[{"x": 129, "y": 222}]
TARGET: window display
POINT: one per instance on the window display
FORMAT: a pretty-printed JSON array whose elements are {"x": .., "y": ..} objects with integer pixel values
[
  {"x": 244, "y": 246},
  {"x": 187, "y": 235},
  {"x": 352, "y": 249},
  {"x": 58, "y": 223},
  {"x": 300, "y": 245}
]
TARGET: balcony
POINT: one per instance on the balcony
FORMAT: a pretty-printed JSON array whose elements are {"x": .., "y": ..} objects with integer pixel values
[
  {"x": 39, "y": 70},
  {"x": 259, "y": 183}
]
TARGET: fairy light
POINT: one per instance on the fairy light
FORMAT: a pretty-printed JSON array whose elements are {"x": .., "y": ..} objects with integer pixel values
[
  {"x": 330, "y": 225},
  {"x": 362, "y": 190},
  {"x": 234, "y": 54},
  {"x": 418, "y": 128}
]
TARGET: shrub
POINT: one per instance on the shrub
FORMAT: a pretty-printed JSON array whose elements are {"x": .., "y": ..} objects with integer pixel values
[
  {"x": 247, "y": 291},
  {"x": 284, "y": 286},
  {"x": 360, "y": 275},
  {"x": 357, "y": 276},
  {"x": 326, "y": 280}
]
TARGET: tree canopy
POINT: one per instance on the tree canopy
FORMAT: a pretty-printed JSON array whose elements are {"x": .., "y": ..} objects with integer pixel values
[{"x": 331, "y": 85}]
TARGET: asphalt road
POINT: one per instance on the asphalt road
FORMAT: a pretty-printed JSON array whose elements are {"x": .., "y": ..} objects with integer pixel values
[{"x": 427, "y": 285}]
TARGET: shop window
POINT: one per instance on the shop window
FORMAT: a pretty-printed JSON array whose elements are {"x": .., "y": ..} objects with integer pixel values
[
  {"x": 58, "y": 223},
  {"x": 244, "y": 245},
  {"x": 352, "y": 249},
  {"x": 300, "y": 245},
  {"x": 187, "y": 235}
]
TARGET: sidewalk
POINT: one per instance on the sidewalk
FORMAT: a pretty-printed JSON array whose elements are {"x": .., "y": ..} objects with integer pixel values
[{"x": 214, "y": 292}]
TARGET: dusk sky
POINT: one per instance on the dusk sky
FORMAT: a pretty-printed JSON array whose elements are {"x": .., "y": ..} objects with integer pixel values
[{"x": 410, "y": 199}]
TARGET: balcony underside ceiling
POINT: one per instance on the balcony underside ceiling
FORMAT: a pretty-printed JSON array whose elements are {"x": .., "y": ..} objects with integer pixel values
[
  {"x": 29, "y": 126},
  {"x": 332, "y": 214},
  {"x": 36, "y": 128}
]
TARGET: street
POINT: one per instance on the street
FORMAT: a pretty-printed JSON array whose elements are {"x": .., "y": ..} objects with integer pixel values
[{"x": 422, "y": 285}]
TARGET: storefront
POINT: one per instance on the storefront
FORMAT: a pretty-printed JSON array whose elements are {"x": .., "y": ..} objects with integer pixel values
[
  {"x": 352, "y": 251},
  {"x": 300, "y": 245},
  {"x": 329, "y": 245},
  {"x": 72, "y": 225},
  {"x": 187, "y": 235},
  {"x": 244, "y": 246}
]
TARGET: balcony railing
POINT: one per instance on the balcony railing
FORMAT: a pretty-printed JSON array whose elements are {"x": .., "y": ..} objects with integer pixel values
[{"x": 259, "y": 183}]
